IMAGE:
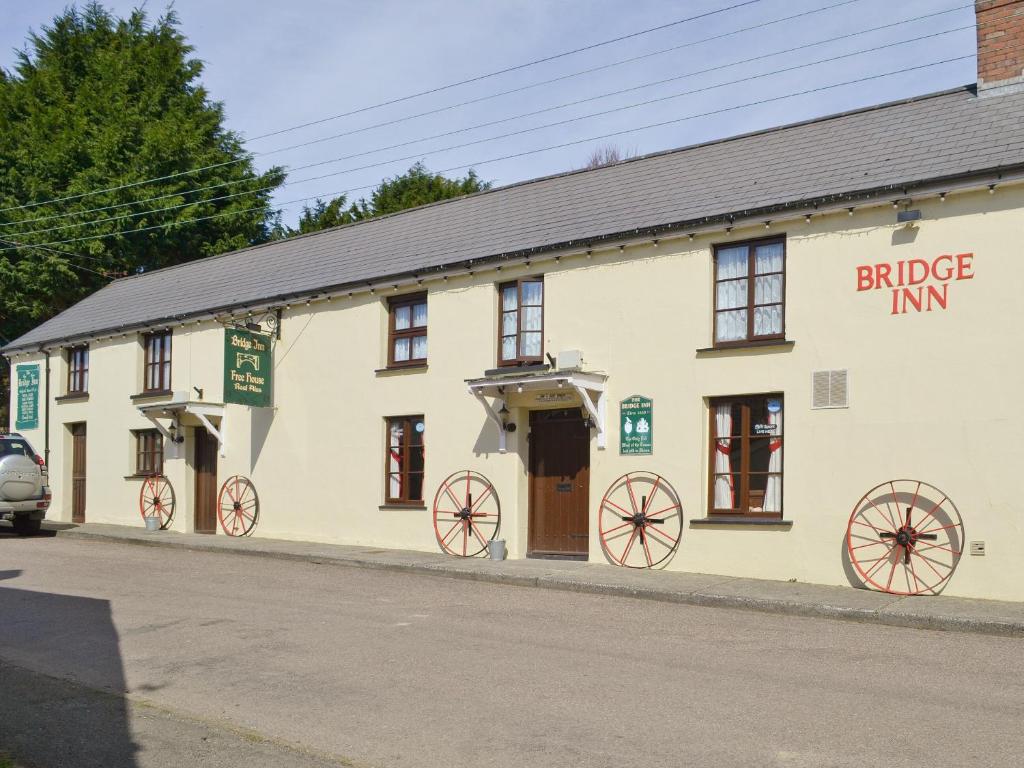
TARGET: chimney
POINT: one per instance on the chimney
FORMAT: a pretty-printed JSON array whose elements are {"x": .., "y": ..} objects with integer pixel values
[{"x": 1000, "y": 46}]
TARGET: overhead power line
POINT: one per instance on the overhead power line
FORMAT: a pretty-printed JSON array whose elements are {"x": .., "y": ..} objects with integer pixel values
[
  {"x": 397, "y": 100},
  {"x": 531, "y": 114},
  {"x": 613, "y": 134},
  {"x": 480, "y": 99}
]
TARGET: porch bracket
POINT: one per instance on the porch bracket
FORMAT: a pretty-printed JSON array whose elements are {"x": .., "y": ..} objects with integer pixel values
[
  {"x": 596, "y": 410},
  {"x": 219, "y": 434},
  {"x": 494, "y": 416},
  {"x": 166, "y": 432}
]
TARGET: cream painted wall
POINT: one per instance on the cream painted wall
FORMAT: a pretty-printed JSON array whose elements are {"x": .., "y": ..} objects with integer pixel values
[{"x": 932, "y": 396}]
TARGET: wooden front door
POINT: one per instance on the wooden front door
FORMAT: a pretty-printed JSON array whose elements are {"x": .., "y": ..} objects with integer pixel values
[
  {"x": 206, "y": 482},
  {"x": 78, "y": 473},
  {"x": 559, "y": 483}
]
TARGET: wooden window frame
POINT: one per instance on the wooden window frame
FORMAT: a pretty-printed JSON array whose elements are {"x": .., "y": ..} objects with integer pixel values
[
  {"x": 751, "y": 246},
  {"x": 520, "y": 359},
  {"x": 149, "y": 451},
  {"x": 410, "y": 333},
  {"x": 744, "y": 436},
  {"x": 162, "y": 366},
  {"x": 78, "y": 370},
  {"x": 405, "y": 472}
]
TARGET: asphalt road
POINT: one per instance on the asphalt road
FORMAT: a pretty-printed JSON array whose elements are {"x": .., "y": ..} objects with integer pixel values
[{"x": 121, "y": 655}]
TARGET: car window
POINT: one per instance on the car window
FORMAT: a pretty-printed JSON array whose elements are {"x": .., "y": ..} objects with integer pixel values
[{"x": 14, "y": 448}]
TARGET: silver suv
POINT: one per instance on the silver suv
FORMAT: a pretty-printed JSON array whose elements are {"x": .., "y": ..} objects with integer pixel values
[{"x": 24, "y": 485}]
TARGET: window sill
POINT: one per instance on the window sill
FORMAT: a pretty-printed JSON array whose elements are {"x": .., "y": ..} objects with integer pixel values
[
  {"x": 153, "y": 393},
  {"x": 140, "y": 477},
  {"x": 776, "y": 522},
  {"x": 71, "y": 397},
  {"x": 781, "y": 344},
  {"x": 509, "y": 369},
  {"x": 393, "y": 370},
  {"x": 413, "y": 505}
]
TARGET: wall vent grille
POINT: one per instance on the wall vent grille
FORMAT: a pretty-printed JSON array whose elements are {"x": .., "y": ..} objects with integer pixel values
[
  {"x": 978, "y": 548},
  {"x": 830, "y": 389}
]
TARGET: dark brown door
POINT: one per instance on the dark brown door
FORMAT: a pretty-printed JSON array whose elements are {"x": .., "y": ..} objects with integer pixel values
[
  {"x": 559, "y": 483},
  {"x": 78, "y": 473},
  {"x": 206, "y": 482}
]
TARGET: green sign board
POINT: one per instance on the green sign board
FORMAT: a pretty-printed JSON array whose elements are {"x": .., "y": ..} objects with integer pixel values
[
  {"x": 636, "y": 426},
  {"x": 248, "y": 368},
  {"x": 27, "y": 415}
]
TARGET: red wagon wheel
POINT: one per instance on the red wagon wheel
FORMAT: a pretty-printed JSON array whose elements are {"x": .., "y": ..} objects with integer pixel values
[
  {"x": 467, "y": 513},
  {"x": 640, "y": 520},
  {"x": 238, "y": 506},
  {"x": 156, "y": 499},
  {"x": 905, "y": 537}
]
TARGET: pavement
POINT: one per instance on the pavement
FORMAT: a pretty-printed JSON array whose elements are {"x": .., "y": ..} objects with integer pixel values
[
  {"x": 116, "y": 656},
  {"x": 991, "y": 617}
]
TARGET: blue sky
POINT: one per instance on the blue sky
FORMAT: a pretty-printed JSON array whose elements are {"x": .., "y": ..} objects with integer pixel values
[{"x": 276, "y": 65}]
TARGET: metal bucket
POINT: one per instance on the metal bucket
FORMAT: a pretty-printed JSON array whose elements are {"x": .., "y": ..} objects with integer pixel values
[
  {"x": 496, "y": 549},
  {"x": 153, "y": 524}
]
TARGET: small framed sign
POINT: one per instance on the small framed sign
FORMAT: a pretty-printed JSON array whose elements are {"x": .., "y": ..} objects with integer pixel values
[{"x": 636, "y": 426}]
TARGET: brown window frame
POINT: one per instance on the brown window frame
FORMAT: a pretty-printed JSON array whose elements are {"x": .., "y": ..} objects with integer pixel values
[
  {"x": 751, "y": 246},
  {"x": 411, "y": 333},
  {"x": 149, "y": 452},
  {"x": 520, "y": 359},
  {"x": 404, "y": 473},
  {"x": 161, "y": 366},
  {"x": 78, "y": 370},
  {"x": 744, "y": 434}
]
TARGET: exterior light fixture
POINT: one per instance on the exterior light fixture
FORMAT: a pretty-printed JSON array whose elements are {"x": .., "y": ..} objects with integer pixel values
[
  {"x": 807, "y": 219},
  {"x": 622, "y": 249},
  {"x": 942, "y": 197},
  {"x": 504, "y": 412},
  {"x": 768, "y": 225},
  {"x": 691, "y": 237},
  {"x": 654, "y": 243},
  {"x": 850, "y": 210},
  {"x": 991, "y": 189},
  {"x": 895, "y": 204}
]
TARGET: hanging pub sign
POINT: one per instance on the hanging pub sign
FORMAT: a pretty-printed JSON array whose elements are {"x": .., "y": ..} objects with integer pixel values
[
  {"x": 27, "y": 414},
  {"x": 636, "y": 426},
  {"x": 248, "y": 368}
]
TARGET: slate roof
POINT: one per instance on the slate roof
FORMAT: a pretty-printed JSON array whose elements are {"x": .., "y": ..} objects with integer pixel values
[{"x": 944, "y": 135}]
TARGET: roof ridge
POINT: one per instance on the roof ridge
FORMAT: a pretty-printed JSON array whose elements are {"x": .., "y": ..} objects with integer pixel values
[{"x": 562, "y": 174}]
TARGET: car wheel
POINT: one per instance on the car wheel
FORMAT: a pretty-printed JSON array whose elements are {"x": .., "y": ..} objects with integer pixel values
[{"x": 26, "y": 526}]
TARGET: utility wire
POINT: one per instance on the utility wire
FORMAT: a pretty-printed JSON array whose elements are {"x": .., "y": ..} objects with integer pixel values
[
  {"x": 65, "y": 254},
  {"x": 400, "y": 99},
  {"x": 480, "y": 99},
  {"x": 516, "y": 155},
  {"x": 531, "y": 114}
]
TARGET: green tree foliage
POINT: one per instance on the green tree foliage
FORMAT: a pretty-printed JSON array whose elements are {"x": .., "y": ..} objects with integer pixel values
[
  {"x": 94, "y": 102},
  {"x": 417, "y": 186}
]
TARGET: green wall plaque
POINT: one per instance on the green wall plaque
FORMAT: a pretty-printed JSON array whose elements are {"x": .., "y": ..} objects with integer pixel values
[
  {"x": 27, "y": 414},
  {"x": 636, "y": 426},
  {"x": 248, "y": 368}
]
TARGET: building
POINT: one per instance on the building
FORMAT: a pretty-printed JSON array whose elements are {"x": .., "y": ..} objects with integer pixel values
[{"x": 756, "y": 332}]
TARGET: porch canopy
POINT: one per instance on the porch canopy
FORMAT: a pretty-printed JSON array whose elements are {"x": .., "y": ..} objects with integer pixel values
[
  {"x": 177, "y": 409},
  {"x": 501, "y": 384}
]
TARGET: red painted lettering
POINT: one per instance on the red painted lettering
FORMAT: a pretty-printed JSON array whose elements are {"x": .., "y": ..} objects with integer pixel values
[
  {"x": 882, "y": 272},
  {"x": 908, "y": 297},
  {"x": 942, "y": 274},
  {"x": 965, "y": 266},
  {"x": 865, "y": 281},
  {"x": 940, "y": 298},
  {"x": 895, "y": 301},
  {"x": 917, "y": 272}
]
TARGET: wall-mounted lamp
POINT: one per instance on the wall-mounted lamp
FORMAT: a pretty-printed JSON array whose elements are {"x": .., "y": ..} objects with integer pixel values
[
  {"x": 504, "y": 413},
  {"x": 175, "y": 437}
]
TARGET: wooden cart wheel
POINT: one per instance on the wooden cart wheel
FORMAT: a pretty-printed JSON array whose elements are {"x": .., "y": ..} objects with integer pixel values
[
  {"x": 467, "y": 513},
  {"x": 640, "y": 520},
  {"x": 905, "y": 537},
  {"x": 156, "y": 499},
  {"x": 238, "y": 506}
]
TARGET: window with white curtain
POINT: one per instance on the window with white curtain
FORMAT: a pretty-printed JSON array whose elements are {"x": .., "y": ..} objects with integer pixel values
[
  {"x": 407, "y": 330},
  {"x": 746, "y": 456},
  {"x": 750, "y": 282},
  {"x": 521, "y": 323}
]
